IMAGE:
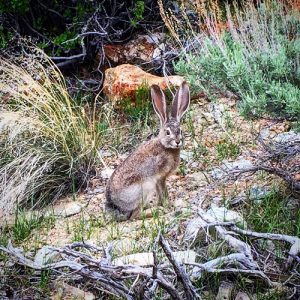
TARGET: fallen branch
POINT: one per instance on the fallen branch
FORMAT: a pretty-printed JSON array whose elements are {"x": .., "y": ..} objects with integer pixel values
[
  {"x": 189, "y": 289},
  {"x": 293, "y": 240},
  {"x": 113, "y": 279},
  {"x": 233, "y": 242}
]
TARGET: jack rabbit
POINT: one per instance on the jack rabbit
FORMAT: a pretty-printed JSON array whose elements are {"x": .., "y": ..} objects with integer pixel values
[{"x": 144, "y": 171}]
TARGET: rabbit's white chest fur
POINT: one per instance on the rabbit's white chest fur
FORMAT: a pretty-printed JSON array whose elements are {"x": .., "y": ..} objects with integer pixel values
[{"x": 149, "y": 187}]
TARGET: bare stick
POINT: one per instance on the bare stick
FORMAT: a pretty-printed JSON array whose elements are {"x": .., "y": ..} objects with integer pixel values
[
  {"x": 190, "y": 291},
  {"x": 293, "y": 240}
]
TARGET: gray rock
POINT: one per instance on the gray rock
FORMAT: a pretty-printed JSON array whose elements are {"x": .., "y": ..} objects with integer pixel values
[
  {"x": 227, "y": 167},
  {"x": 197, "y": 179},
  {"x": 225, "y": 291},
  {"x": 186, "y": 155},
  {"x": 241, "y": 197},
  {"x": 286, "y": 137},
  {"x": 258, "y": 193},
  {"x": 217, "y": 111},
  {"x": 293, "y": 204},
  {"x": 62, "y": 290},
  {"x": 64, "y": 209},
  {"x": 195, "y": 230},
  {"x": 46, "y": 255},
  {"x": 208, "y": 118},
  {"x": 266, "y": 245},
  {"x": 106, "y": 173},
  {"x": 217, "y": 200},
  {"x": 97, "y": 191},
  {"x": 223, "y": 214},
  {"x": 105, "y": 153},
  {"x": 146, "y": 258},
  {"x": 242, "y": 296},
  {"x": 265, "y": 133}
]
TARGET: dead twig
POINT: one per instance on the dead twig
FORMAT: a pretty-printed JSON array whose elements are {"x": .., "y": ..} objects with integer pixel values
[{"x": 189, "y": 289}]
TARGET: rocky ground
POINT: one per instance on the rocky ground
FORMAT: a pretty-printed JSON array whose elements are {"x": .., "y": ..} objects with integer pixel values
[{"x": 218, "y": 143}]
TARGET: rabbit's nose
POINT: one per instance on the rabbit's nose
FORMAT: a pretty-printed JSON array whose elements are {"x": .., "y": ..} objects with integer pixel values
[{"x": 178, "y": 142}]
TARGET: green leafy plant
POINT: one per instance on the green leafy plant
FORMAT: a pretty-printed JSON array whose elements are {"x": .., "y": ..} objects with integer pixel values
[
  {"x": 18, "y": 6},
  {"x": 66, "y": 41},
  {"x": 137, "y": 12},
  {"x": 141, "y": 107},
  {"x": 25, "y": 223},
  {"x": 5, "y": 37},
  {"x": 227, "y": 149}
]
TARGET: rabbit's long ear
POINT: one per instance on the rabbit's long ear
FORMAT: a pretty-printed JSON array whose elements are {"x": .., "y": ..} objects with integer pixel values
[
  {"x": 159, "y": 103},
  {"x": 181, "y": 101}
]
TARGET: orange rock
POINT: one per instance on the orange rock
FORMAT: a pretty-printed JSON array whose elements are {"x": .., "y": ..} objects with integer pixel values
[
  {"x": 122, "y": 81},
  {"x": 297, "y": 177}
]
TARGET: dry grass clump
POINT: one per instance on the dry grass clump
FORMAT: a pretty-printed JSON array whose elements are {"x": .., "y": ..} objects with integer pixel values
[{"x": 48, "y": 145}]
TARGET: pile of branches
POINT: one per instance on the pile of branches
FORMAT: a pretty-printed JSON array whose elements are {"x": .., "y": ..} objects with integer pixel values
[
  {"x": 173, "y": 280},
  {"x": 74, "y": 31}
]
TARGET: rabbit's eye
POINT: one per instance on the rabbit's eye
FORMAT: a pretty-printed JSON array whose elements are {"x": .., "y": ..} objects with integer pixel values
[{"x": 168, "y": 132}]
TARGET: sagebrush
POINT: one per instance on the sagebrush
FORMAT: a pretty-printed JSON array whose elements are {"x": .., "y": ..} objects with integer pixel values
[{"x": 256, "y": 58}]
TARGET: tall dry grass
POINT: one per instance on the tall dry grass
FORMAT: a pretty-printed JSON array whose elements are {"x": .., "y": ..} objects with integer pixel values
[{"x": 48, "y": 144}]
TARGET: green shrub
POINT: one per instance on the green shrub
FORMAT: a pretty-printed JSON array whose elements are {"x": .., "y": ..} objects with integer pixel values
[
  {"x": 141, "y": 107},
  {"x": 137, "y": 12},
  {"x": 18, "y": 6},
  {"x": 257, "y": 59},
  {"x": 48, "y": 144},
  {"x": 272, "y": 214}
]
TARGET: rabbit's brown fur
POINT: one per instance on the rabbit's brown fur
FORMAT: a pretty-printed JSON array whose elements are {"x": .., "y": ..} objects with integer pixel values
[{"x": 144, "y": 172}]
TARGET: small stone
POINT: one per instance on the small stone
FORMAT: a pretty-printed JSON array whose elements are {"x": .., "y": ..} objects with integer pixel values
[
  {"x": 180, "y": 203},
  {"x": 208, "y": 117},
  {"x": 242, "y": 296},
  {"x": 265, "y": 133},
  {"x": 258, "y": 193},
  {"x": 286, "y": 137},
  {"x": 195, "y": 231},
  {"x": 65, "y": 291},
  {"x": 197, "y": 179},
  {"x": 185, "y": 257},
  {"x": 105, "y": 153},
  {"x": 241, "y": 197},
  {"x": 97, "y": 191},
  {"x": 46, "y": 255},
  {"x": 186, "y": 155},
  {"x": 225, "y": 291},
  {"x": 223, "y": 214},
  {"x": 139, "y": 259},
  {"x": 106, "y": 173},
  {"x": 266, "y": 245},
  {"x": 146, "y": 258},
  {"x": 227, "y": 167},
  {"x": 157, "y": 53},
  {"x": 217, "y": 111},
  {"x": 217, "y": 200},
  {"x": 65, "y": 209},
  {"x": 293, "y": 205}
]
